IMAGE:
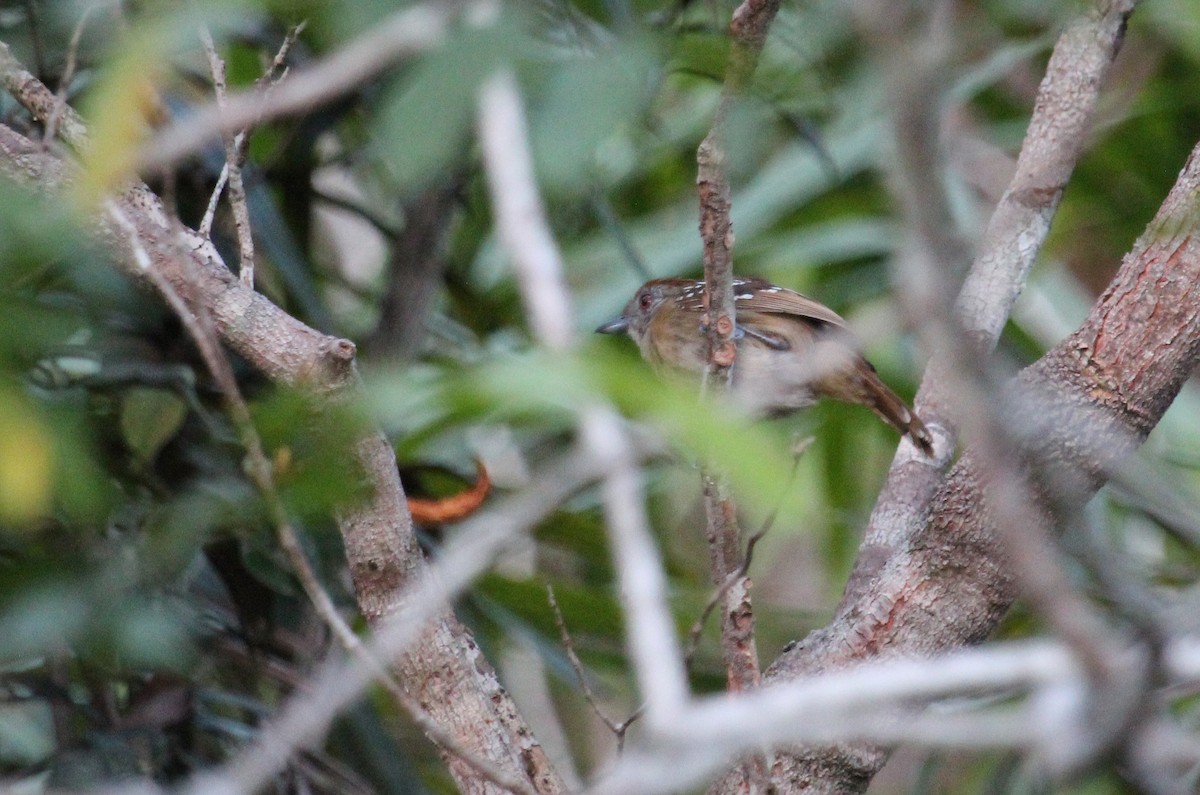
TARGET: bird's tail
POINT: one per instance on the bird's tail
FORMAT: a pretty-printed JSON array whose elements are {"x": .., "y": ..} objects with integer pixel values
[{"x": 888, "y": 405}]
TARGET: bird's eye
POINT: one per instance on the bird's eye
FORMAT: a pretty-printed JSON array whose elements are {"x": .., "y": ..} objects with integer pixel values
[{"x": 645, "y": 300}]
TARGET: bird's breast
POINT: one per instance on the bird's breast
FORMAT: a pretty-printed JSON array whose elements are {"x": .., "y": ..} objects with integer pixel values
[{"x": 676, "y": 341}]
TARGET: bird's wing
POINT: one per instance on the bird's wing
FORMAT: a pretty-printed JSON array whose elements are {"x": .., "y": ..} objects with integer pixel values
[{"x": 758, "y": 295}]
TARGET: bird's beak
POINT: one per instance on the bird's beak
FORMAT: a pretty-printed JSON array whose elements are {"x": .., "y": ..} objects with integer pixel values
[{"x": 614, "y": 326}]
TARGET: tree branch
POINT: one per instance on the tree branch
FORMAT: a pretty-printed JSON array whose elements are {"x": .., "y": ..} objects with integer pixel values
[
  {"x": 404, "y": 34},
  {"x": 748, "y": 32}
]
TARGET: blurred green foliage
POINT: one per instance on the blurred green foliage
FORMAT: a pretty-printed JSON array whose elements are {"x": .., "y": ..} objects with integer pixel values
[{"x": 148, "y": 620}]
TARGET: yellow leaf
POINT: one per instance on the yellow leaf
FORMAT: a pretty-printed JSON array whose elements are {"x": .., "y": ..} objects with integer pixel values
[
  {"x": 26, "y": 463},
  {"x": 125, "y": 108}
]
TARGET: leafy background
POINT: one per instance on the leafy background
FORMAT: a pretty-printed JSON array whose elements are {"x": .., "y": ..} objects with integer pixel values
[{"x": 148, "y": 622}]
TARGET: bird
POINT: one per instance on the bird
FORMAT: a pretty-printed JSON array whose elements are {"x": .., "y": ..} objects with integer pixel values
[{"x": 791, "y": 350}]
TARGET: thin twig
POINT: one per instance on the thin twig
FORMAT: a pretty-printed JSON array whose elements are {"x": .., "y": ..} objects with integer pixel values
[
  {"x": 618, "y": 729},
  {"x": 408, "y": 32},
  {"x": 697, "y": 629},
  {"x": 718, "y": 596},
  {"x": 68, "y": 75},
  {"x": 275, "y": 72},
  {"x": 204, "y": 229},
  {"x": 272, "y": 76},
  {"x": 233, "y": 169},
  {"x": 692, "y": 644}
]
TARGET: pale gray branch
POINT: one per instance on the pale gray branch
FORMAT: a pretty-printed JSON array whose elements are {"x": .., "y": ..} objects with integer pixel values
[
  {"x": 406, "y": 33},
  {"x": 875, "y": 702},
  {"x": 520, "y": 218},
  {"x": 526, "y": 234}
]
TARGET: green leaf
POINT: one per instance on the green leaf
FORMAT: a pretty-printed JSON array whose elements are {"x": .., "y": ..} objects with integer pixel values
[
  {"x": 150, "y": 418},
  {"x": 425, "y": 121},
  {"x": 585, "y": 104},
  {"x": 310, "y": 442}
]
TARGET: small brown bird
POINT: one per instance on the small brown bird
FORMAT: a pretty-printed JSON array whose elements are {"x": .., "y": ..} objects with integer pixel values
[{"x": 791, "y": 350}]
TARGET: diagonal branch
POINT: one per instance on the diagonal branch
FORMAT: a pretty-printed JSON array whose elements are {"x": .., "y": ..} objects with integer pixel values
[
  {"x": 411, "y": 31},
  {"x": 952, "y": 583},
  {"x": 199, "y": 326}
]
